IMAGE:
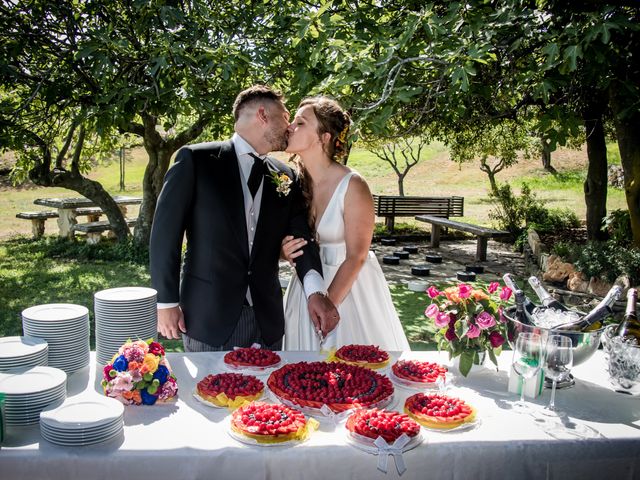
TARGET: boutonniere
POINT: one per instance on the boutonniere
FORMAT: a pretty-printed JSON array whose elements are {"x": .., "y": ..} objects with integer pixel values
[{"x": 283, "y": 183}]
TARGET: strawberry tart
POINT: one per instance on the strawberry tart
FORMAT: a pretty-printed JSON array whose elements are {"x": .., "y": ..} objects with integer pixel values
[
  {"x": 251, "y": 357},
  {"x": 229, "y": 389},
  {"x": 369, "y": 356},
  {"x": 338, "y": 385},
  {"x": 374, "y": 423},
  {"x": 438, "y": 411},
  {"x": 418, "y": 372},
  {"x": 266, "y": 423}
]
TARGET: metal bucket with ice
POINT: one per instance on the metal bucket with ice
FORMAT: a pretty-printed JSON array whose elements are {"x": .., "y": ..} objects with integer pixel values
[
  {"x": 584, "y": 343},
  {"x": 623, "y": 361}
]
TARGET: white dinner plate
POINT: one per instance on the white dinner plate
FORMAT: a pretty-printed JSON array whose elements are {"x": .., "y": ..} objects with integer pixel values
[
  {"x": 125, "y": 294},
  {"x": 84, "y": 412},
  {"x": 24, "y": 381},
  {"x": 55, "y": 312}
]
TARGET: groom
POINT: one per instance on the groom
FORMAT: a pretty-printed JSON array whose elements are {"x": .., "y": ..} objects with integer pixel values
[{"x": 235, "y": 205}]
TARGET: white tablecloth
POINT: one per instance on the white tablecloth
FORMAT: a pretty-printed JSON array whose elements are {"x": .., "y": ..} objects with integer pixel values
[{"x": 189, "y": 440}]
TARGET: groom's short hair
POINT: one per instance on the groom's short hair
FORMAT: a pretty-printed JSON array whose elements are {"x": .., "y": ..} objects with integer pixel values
[{"x": 252, "y": 94}]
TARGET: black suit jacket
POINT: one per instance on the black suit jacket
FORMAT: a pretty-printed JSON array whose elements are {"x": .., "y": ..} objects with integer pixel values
[{"x": 202, "y": 196}]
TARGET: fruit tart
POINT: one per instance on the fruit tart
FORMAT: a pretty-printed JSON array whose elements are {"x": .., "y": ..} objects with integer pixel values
[
  {"x": 229, "y": 389},
  {"x": 438, "y": 411},
  {"x": 266, "y": 423},
  {"x": 416, "y": 373},
  {"x": 338, "y": 385},
  {"x": 373, "y": 423},
  {"x": 251, "y": 357},
  {"x": 369, "y": 356}
]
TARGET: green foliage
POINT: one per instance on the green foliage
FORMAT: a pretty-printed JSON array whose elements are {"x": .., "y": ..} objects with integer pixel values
[
  {"x": 518, "y": 213},
  {"x": 608, "y": 260},
  {"x": 618, "y": 225},
  {"x": 400, "y": 228}
]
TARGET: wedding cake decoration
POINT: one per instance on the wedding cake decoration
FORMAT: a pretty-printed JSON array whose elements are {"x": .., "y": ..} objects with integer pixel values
[
  {"x": 266, "y": 423},
  {"x": 139, "y": 374},
  {"x": 418, "y": 372},
  {"x": 369, "y": 356},
  {"x": 252, "y": 357},
  {"x": 374, "y": 423},
  {"x": 229, "y": 389},
  {"x": 438, "y": 411},
  {"x": 337, "y": 385}
]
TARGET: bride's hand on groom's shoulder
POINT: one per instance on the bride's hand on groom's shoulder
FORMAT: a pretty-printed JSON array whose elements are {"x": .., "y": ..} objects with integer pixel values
[{"x": 291, "y": 248}]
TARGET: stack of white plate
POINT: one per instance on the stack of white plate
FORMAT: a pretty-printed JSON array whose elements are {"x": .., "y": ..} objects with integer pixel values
[
  {"x": 65, "y": 327},
  {"x": 82, "y": 421},
  {"x": 16, "y": 352},
  {"x": 127, "y": 313},
  {"x": 29, "y": 390}
]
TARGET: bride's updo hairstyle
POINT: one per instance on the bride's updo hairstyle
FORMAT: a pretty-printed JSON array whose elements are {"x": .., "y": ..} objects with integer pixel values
[{"x": 334, "y": 120}]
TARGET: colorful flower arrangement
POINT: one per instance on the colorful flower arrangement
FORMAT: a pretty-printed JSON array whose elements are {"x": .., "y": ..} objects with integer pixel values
[
  {"x": 139, "y": 374},
  {"x": 469, "y": 321}
]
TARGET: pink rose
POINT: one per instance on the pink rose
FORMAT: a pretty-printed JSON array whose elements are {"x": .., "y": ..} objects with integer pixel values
[
  {"x": 433, "y": 292},
  {"x": 485, "y": 320},
  {"x": 432, "y": 310},
  {"x": 505, "y": 294},
  {"x": 464, "y": 290},
  {"x": 473, "y": 332},
  {"x": 496, "y": 339},
  {"x": 156, "y": 348},
  {"x": 441, "y": 320},
  {"x": 493, "y": 286}
]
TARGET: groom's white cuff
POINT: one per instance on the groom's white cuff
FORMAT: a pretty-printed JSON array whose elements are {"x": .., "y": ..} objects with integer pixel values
[
  {"x": 162, "y": 306},
  {"x": 313, "y": 282}
]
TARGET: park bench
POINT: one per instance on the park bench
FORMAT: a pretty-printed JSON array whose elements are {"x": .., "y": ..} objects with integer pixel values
[
  {"x": 94, "y": 230},
  {"x": 391, "y": 206},
  {"x": 483, "y": 234},
  {"x": 37, "y": 220}
]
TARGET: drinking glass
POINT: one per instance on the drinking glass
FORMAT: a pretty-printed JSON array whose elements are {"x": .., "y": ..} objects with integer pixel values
[
  {"x": 558, "y": 361},
  {"x": 527, "y": 357}
]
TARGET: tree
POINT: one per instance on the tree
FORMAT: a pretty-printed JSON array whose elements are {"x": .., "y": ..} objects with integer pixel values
[{"x": 137, "y": 67}]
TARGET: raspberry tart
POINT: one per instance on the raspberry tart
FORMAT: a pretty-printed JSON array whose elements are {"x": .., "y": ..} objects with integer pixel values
[
  {"x": 416, "y": 373},
  {"x": 251, "y": 357},
  {"x": 229, "y": 389},
  {"x": 438, "y": 411},
  {"x": 338, "y": 385},
  {"x": 374, "y": 423},
  {"x": 369, "y": 356},
  {"x": 266, "y": 423}
]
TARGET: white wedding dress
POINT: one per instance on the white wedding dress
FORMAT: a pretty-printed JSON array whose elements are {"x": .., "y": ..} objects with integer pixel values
[{"x": 367, "y": 314}]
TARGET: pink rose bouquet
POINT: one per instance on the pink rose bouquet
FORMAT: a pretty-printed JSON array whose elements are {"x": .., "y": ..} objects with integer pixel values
[
  {"x": 139, "y": 374},
  {"x": 468, "y": 321}
]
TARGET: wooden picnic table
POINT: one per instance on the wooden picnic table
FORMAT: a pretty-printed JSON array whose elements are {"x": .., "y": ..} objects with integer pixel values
[{"x": 68, "y": 209}]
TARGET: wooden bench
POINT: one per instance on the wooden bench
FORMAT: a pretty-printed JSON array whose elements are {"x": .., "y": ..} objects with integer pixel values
[
  {"x": 94, "y": 230},
  {"x": 482, "y": 233},
  {"x": 391, "y": 206},
  {"x": 37, "y": 220}
]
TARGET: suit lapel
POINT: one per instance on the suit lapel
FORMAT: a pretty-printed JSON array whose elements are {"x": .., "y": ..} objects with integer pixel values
[
  {"x": 230, "y": 185},
  {"x": 267, "y": 206}
]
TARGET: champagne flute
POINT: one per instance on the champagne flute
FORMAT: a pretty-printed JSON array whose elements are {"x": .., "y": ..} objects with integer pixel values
[
  {"x": 527, "y": 357},
  {"x": 557, "y": 364}
]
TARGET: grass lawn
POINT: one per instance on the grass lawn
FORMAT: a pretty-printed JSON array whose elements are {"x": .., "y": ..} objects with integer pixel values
[{"x": 54, "y": 271}]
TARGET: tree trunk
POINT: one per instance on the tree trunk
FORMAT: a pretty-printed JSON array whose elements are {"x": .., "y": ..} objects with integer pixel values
[
  {"x": 88, "y": 188},
  {"x": 491, "y": 173},
  {"x": 627, "y": 129},
  {"x": 159, "y": 158},
  {"x": 595, "y": 186},
  {"x": 401, "y": 185},
  {"x": 546, "y": 157}
]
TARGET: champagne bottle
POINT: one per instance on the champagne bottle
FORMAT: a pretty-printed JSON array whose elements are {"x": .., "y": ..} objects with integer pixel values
[
  {"x": 524, "y": 308},
  {"x": 630, "y": 326},
  {"x": 545, "y": 297},
  {"x": 510, "y": 282},
  {"x": 598, "y": 314}
]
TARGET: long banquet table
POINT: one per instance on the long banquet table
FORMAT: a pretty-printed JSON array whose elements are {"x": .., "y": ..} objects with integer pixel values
[{"x": 187, "y": 440}]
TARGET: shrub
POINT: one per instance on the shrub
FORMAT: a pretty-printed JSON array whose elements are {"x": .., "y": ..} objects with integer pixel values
[
  {"x": 608, "y": 260},
  {"x": 400, "y": 228},
  {"x": 618, "y": 225}
]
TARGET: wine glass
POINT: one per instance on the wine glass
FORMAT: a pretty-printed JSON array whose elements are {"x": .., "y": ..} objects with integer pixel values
[
  {"x": 557, "y": 364},
  {"x": 527, "y": 357}
]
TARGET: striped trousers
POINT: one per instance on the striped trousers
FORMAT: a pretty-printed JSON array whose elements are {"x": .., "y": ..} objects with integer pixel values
[{"x": 246, "y": 333}]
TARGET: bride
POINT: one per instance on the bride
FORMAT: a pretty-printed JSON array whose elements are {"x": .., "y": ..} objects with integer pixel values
[{"x": 342, "y": 216}]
